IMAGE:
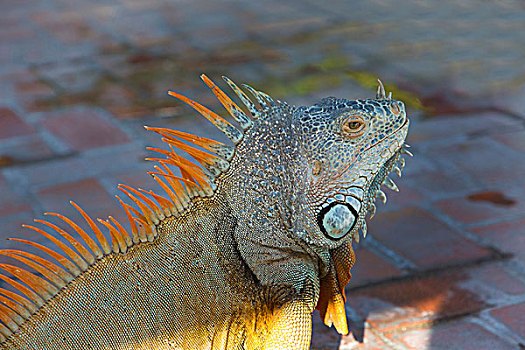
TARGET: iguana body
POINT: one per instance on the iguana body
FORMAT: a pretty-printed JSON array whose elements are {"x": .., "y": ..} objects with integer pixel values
[{"x": 237, "y": 255}]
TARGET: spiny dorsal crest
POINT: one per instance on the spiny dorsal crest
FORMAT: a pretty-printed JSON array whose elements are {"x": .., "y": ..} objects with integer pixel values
[{"x": 34, "y": 289}]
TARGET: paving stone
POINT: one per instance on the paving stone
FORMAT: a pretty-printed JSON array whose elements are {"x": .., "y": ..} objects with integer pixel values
[
  {"x": 137, "y": 178},
  {"x": 11, "y": 226},
  {"x": 485, "y": 206},
  {"x": 130, "y": 111},
  {"x": 371, "y": 341},
  {"x": 507, "y": 236},
  {"x": 12, "y": 125},
  {"x": 482, "y": 158},
  {"x": 25, "y": 149},
  {"x": 33, "y": 88},
  {"x": 439, "y": 184},
  {"x": 450, "y": 126},
  {"x": 492, "y": 281},
  {"x": 395, "y": 306},
  {"x": 514, "y": 140},
  {"x": 512, "y": 100},
  {"x": 461, "y": 334},
  {"x": 70, "y": 30},
  {"x": 83, "y": 129},
  {"x": 324, "y": 338},
  {"x": 15, "y": 206},
  {"x": 513, "y": 316},
  {"x": 370, "y": 267},
  {"x": 87, "y": 193},
  {"x": 423, "y": 239},
  {"x": 407, "y": 196},
  {"x": 49, "y": 172},
  {"x": 11, "y": 202}
]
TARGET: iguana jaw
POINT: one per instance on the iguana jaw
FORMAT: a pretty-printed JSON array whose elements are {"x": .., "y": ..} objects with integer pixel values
[{"x": 382, "y": 178}]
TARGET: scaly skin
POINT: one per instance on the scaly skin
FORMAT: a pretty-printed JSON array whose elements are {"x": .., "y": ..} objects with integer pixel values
[{"x": 242, "y": 260}]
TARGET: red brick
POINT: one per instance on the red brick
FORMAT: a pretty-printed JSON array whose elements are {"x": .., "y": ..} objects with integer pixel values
[
  {"x": 439, "y": 128},
  {"x": 72, "y": 32},
  {"x": 138, "y": 178},
  {"x": 16, "y": 75},
  {"x": 120, "y": 161},
  {"x": 423, "y": 239},
  {"x": 33, "y": 88},
  {"x": 33, "y": 105},
  {"x": 32, "y": 148},
  {"x": 5, "y": 190},
  {"x": 130, "y": 111},
  {"x": 53, "y": 172},
  {"x": 116, "y": 95},
  {"x": 12, "y": 125},
  {"x": 508, "y": 236},
  {"x": 415, "y": 302},
  {"x": 15, "y": 205},
  {"x": 484, "y": 159},
  {"x": 370, "y": 267},
  {"x": 406, "y": 196},
  {"x": 11, "y": 226},
  {"x": 14, "y": 34},
  {"x": 513, "y": 316},
  {"x": 438, "y": 183},
  {"x": 87, "y": 193},
  {"x": 485, "y": 205},
  {"x": 515, "y": 140},
  {"x": 461, "y": 334},
  {"x": 496, "y": 278},
  {"x": 324, "y": 338},
  {"x": 83, "y": 129}
]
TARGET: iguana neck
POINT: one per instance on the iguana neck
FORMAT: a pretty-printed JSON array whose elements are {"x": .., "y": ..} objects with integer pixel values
[{"x": 263, "y": 189}]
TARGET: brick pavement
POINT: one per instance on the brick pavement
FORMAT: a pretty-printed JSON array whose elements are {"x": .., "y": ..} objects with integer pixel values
[{"x": 443, "y": 267}]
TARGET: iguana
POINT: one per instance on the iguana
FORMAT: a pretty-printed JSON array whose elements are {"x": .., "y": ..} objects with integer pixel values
[{"x": 236, "y": 255}]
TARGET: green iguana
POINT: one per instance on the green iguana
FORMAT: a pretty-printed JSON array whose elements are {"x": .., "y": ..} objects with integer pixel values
[{"x": 237, "y": 254}]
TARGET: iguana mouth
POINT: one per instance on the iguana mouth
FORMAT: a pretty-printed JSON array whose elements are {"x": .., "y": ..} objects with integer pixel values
[{"x": 394, "y": 164}]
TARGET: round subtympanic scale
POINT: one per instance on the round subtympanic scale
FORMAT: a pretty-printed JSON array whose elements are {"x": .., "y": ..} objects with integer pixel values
[{"x": 338, "y": 220}]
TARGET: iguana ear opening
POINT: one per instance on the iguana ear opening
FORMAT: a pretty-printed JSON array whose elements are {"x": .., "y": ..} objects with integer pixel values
[{"x": 332, "y": 298}]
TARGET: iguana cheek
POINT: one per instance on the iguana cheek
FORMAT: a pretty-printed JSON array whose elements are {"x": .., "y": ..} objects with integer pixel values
[{"x": 337, "y": 220}]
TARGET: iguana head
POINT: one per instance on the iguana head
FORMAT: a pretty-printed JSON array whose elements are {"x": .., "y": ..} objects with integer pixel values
[
  {"x": 297, "y": 184},
  {"x": 314, "y": 171},
  {"x": 348, "y": 149}
]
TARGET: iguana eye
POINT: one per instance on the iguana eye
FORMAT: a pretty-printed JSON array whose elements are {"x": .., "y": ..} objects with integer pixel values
[{"x": 353, "y": 126}]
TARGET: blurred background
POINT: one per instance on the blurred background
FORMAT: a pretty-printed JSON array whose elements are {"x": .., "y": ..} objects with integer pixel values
[{"x": 443, "y": 265}]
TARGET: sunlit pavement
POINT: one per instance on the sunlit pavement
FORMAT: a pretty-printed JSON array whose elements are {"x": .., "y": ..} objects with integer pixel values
[{"x": 443, "y": 265}]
